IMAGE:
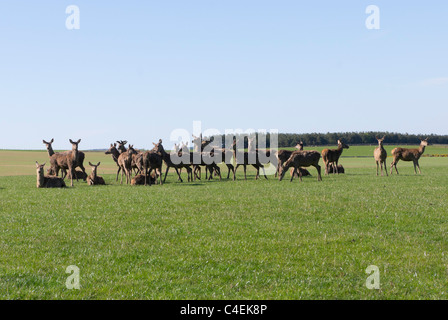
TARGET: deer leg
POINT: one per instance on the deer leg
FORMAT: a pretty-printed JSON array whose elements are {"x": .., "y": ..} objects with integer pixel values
[
  {"x": 178, "y": 174},
  {"x": 319, "y": 177},
  {"x": 418, "y": 166},
  {"x": 166, "y": 173},
  {"x": 234, "y": 172},
  {"x": 264, "y": 173},
  {"x": 377, "y": 168},
  {"x": 300, "y": 174},
  {"x": 292, "y": 176}
]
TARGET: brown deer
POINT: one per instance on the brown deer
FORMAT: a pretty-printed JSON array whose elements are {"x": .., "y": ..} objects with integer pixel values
[
  {"x": 246, "y": 158},
  {"x": 331, "y": 169},
  {"x": 408, "y": 155},
  {"x": 283, "y": 155},
  {"x": 139, "y": 179},
  {"x": 71, "y": 159},
  {"x": 78, "y": 174},
  {"x": 47, "y": 181},
  {"x": 303, "y": 172},
  {"x": 113, "y": 151},
  {"x": 121, "y": 146},
  {"x": 301, "y": 159},
  {"x": 170, "y": 164},
  {"x": 197, "y": 158},
  {"x": 125, "y": 162},
  {"x": 58, "y": 160},
  {"x": 331, "y": 156},
  {"x": 152, "y": 160},
  {"x": 380, "y": 155},
  {"x": 93, "y": 178}
]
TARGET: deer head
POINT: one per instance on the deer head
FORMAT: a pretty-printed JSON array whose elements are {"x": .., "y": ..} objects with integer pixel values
[
  {"x": 121, "y": 146},
  {"x": 380, "y": 141},
  {"x": 131, "y": 150},
  {"x": 74, "y": 144},
  {"x": 342, "y": 145},
  {"x": 424, "y": 142},
  {"x": 94, "y": 168},
  {"x": 112, "y": 149},
  {"x": 40, "y": 168}
]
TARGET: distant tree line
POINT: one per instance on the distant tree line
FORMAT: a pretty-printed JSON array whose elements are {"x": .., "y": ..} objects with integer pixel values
[{"x": 351, "y": 138}]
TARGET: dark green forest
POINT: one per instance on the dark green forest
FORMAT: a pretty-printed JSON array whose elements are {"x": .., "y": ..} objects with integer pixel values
[{"x": 351, "y": 138}]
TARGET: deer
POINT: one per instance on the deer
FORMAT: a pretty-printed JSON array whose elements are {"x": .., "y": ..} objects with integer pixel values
[
  {"x": 93, "y": 178},
  {"x": 47, "y": 181},
  {"x": 72, "y": 160},
  {"x": 244, "y": 159},
  {"x": 408, "y": 155},
  {"x": 125, "y": 162},
  {"x": 139, "y": 179},
  {"x": 78, "y": 174},
  {"x": 199, "y": 145},
  {"x": 113, "y": 151},
  {"x": 58, "y": 160},
  {"x": 283, "y": 155},
  {"x": 380, "y": 155},
  {"x": 153, "y": 160},
  {"x": 170, "y": 164},
  {"x": 331, "y": 156},
  {"x": 121, "y": 146},
  {"x": 300, "y": 159}
]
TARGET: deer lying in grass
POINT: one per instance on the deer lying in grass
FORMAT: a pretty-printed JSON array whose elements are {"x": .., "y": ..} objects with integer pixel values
[
  {"x": 331, "y": 156},
  {"x": 58, "y": 160},
  {"x": 47, "y": 181},
  {"x": 301, "y": 159},
  {"x": 78, "y": 174},
  {"x": 139, "y": 180},
  {"x": 93, "y": 178},
  {"x": 303, "y": 172},
  {"x": 330, "y": 169},
  {"x": 380, "y": 156},
  {"x": 125, "y": 162},
  {"x": 283, "y": 155},
  {"x": 408, "y": 155}
]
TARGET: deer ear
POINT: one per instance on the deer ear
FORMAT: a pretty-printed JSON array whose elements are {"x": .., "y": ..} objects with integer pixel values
[
  {"x": 160, "y": 140},
  {"x": 52, "y": 140},
  {"x": 90, "y": 163},
  {"x": 70, "y": 140},
  {"x": 78, "y": 141},
  {"x": 37, "y": 165},
  {"x": 98, "y": 164}
]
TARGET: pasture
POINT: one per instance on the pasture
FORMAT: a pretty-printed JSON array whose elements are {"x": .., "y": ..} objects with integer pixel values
[{"x": 227, "y": 239}]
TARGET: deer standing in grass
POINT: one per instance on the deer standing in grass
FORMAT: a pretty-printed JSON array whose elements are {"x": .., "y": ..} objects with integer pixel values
[
  {"x": 115, "y": 154},
  {"x": 93, "y": 178},
  {"x": 125, "y": 162},
  {"x": 153, "y": 160},
  {"x": 331, "y": 156},
  {"x": 245, "y": 159},
  {"x": 380, "y": 155},
  {"x": 47, "y": 181},
  {"x": 408, "y": 155},
  {"x": 300, "y": 159},
  {"x": 58, "y": 161},
  {"x": 283, "y": 155}
]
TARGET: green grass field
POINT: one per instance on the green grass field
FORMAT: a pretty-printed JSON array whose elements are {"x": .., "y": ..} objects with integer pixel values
[{"x": 227, "y": 239}]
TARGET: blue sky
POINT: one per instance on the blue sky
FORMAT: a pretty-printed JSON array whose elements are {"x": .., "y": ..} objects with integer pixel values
[{"x": 137, "y": 70}]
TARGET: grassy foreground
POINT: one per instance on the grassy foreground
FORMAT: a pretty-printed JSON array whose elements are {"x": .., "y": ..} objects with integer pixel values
[{"x": 230, "y": 240}]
